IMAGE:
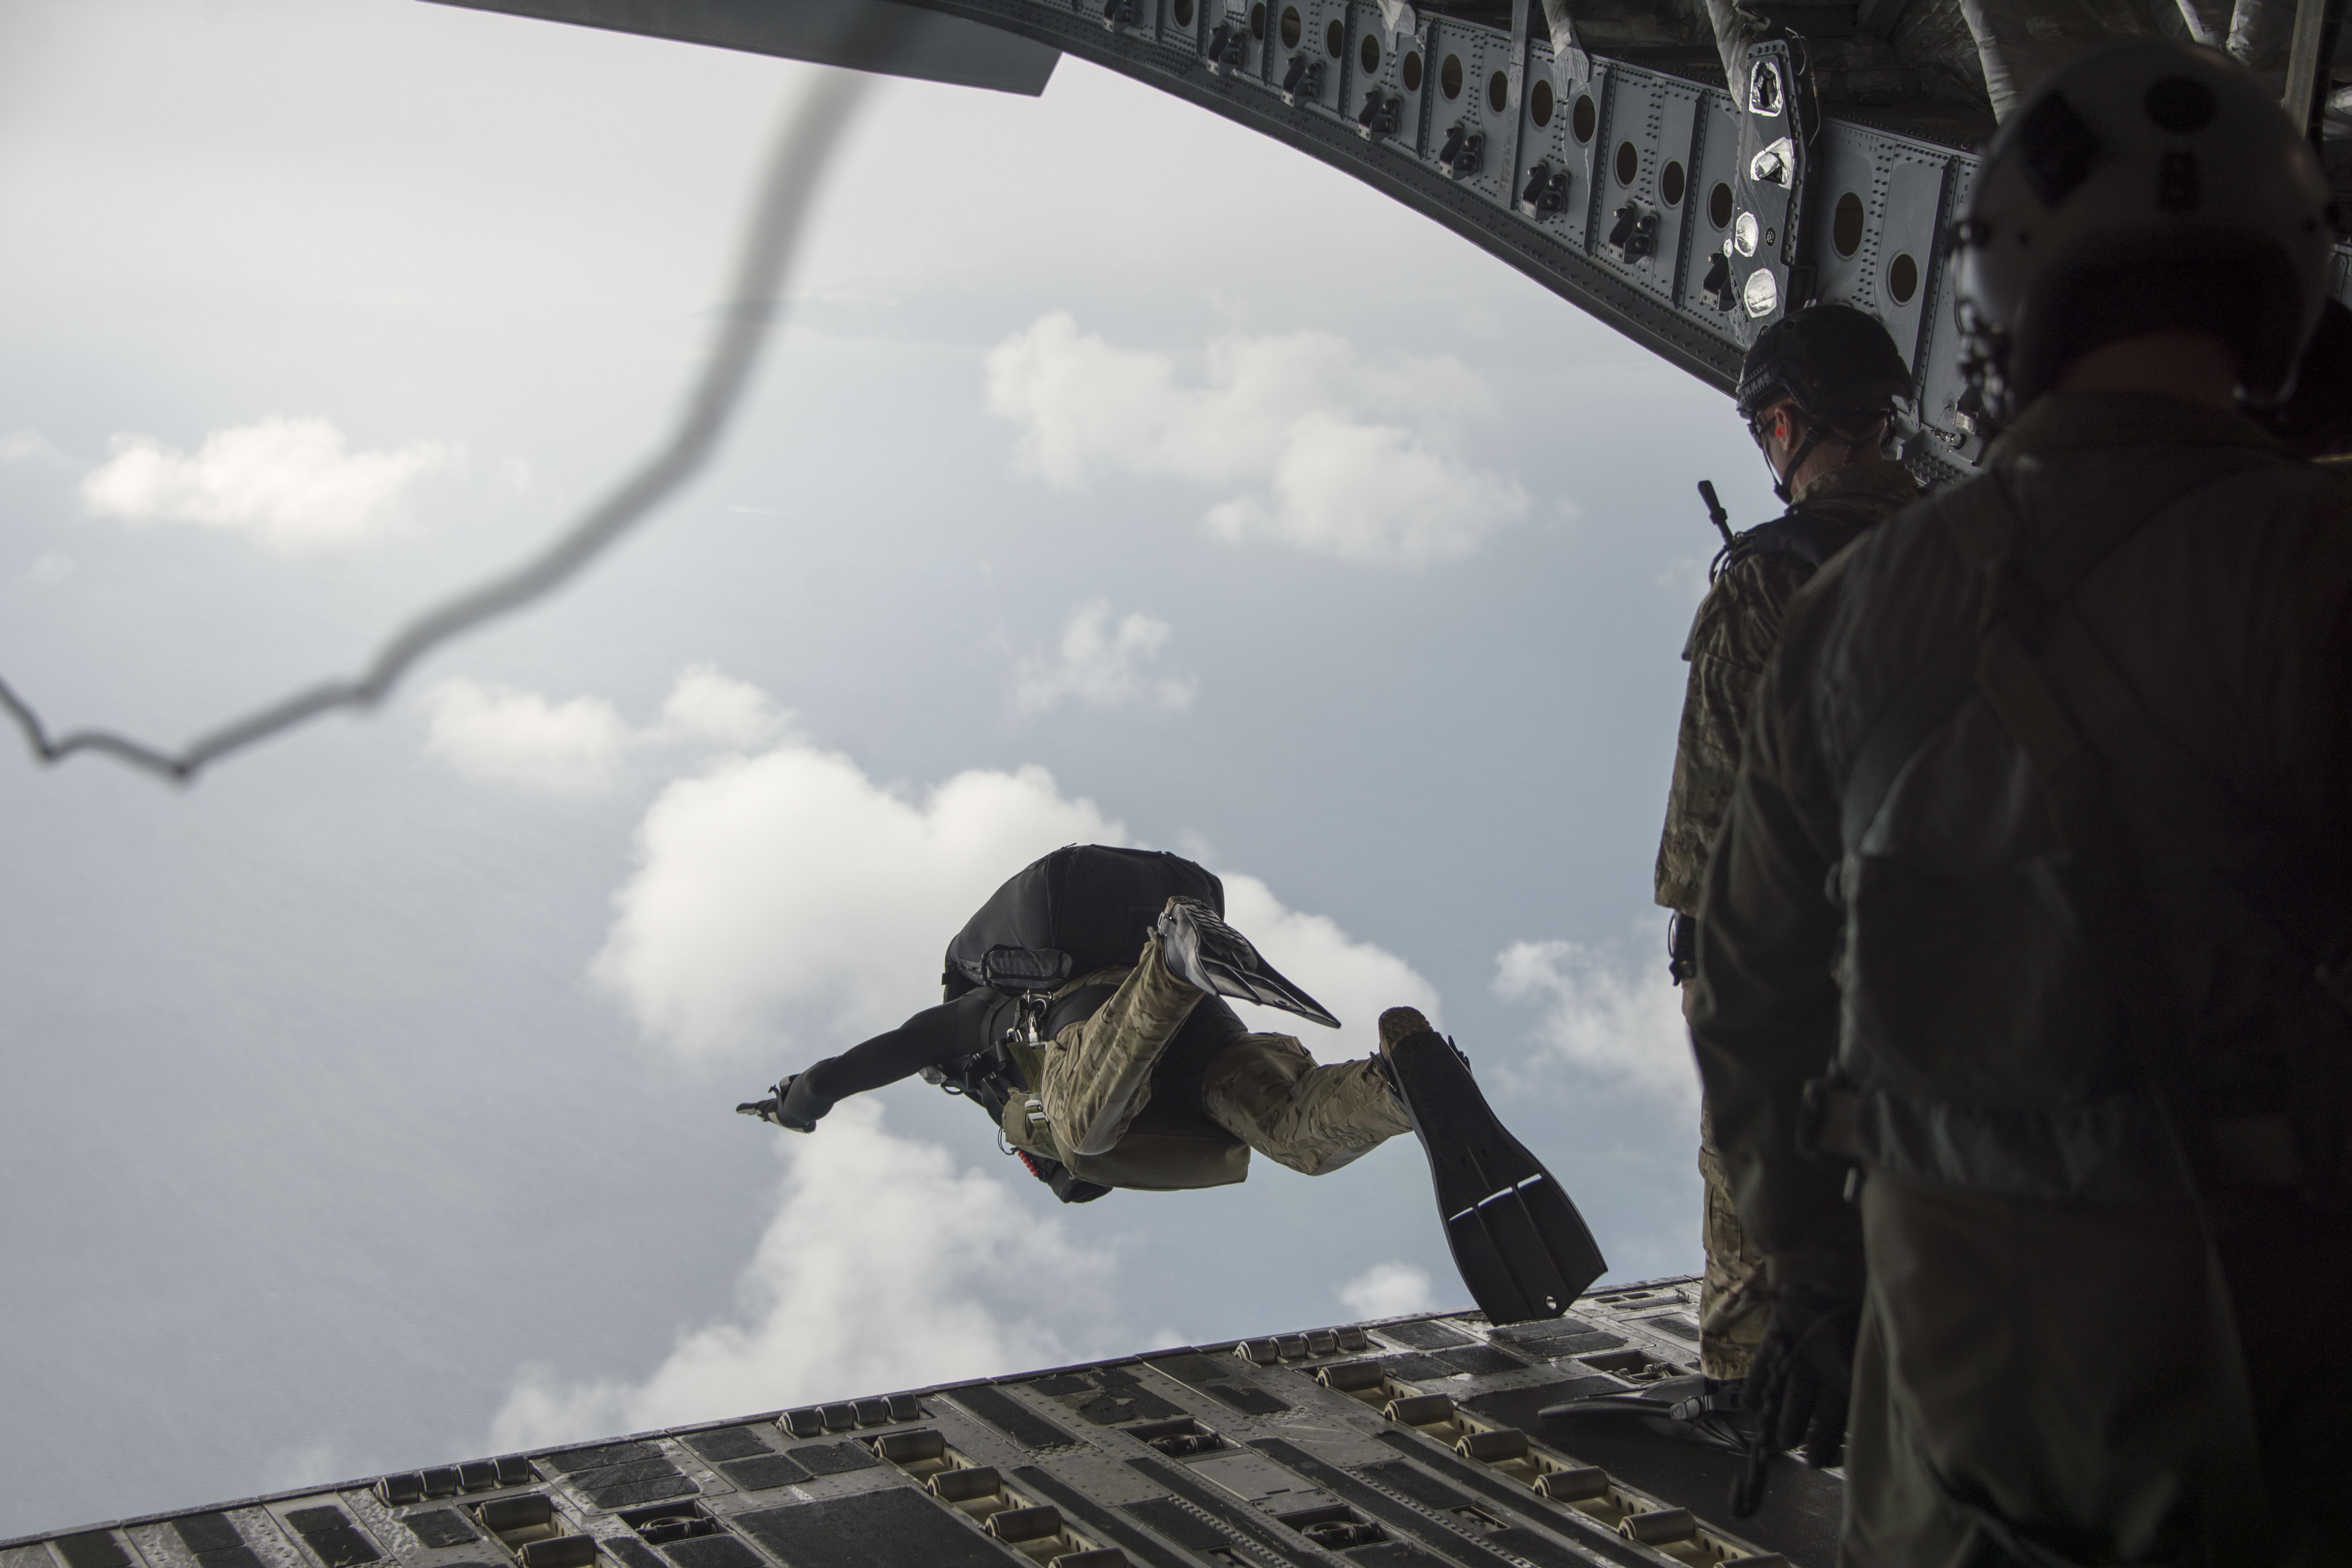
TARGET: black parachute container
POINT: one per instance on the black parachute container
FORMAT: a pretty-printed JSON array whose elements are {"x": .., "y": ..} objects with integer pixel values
[{"x": 1093, "y": 902}]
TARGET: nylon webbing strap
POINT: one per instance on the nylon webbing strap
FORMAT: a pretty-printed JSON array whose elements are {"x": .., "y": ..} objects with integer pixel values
[
  {"x": 2066, "y": 703},
  {"x": 2034, "y": 701},
  {"x": 1982, "y": 522},
  {"x": 1975, "y": 513}
]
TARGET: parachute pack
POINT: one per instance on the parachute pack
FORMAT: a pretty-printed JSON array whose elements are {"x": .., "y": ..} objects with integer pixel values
[{"x": 1091, "y": 904}]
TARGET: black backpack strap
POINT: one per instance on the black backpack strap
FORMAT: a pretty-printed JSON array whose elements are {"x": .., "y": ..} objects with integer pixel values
[
  {"x": 1982, "y": 516},
  {"x": 1808, "y": 534},
  {"x": 2062, "y": 698},
  {"x": 1982, "y": 522},
  {"x": 2086, "y": 734}
]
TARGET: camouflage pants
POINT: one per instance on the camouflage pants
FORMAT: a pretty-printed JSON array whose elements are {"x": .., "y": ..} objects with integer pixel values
[
  {"x": 1731, "y": 1296},
  {"x": 1264, "y": 1089}
]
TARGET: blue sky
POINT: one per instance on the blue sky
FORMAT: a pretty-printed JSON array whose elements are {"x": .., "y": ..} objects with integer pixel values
[{"x": 1117, "y": 474}]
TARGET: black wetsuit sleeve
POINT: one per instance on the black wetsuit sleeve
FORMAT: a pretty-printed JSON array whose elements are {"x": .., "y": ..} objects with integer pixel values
[{"x": 932, "y": 1037}]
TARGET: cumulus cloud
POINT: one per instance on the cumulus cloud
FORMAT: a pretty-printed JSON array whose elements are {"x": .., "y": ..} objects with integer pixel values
[
  {"x": 888, "y": 1265},
  {"x": 1607, "y": 1013},
  {"x": 1388, "y": 1290},
  {"x": 1103, "y": 665},
  {"x": 290, "y": 484},
  {"x": 1357, "y": 981},
  {"x": 790, "y": 879},
  {"x": 502, "y": 735},
  {"x": 707, "y": 709},
  {"x": 787, "y": 890},
  {"x": 22, "y": 445},
  {"x": 1330, "y": 452}
]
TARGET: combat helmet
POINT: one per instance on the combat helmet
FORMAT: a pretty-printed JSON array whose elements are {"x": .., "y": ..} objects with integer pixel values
[
  {"x": 2146, "y": 187},
  {"x": 1835, "y": 362}
]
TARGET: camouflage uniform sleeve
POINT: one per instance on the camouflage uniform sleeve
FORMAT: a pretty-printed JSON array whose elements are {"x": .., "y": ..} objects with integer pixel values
[
  {"x": 1738, "y": 623},
  {"x": 1764, "y": 1006}
]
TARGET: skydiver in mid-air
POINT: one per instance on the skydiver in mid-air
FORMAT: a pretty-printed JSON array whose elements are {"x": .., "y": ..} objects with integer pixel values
[{"x": 1102, "y": 1069}]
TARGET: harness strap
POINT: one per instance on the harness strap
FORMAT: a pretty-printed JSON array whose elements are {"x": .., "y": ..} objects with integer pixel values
[
  {"x": 2027, "y": 690},
  {"x": 1982, "y": 522},
  {"x": 2059, "y": 694}
]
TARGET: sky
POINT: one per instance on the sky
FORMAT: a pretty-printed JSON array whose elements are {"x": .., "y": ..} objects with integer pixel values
[{"x": 1118, "y": 476}]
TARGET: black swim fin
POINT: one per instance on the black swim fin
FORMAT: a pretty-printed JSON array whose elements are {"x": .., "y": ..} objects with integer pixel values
[
  {"x": 1518, "y": 1239},
  {"x": 1203, "y": 952},
  {"x": 1701, "y": 1410}
]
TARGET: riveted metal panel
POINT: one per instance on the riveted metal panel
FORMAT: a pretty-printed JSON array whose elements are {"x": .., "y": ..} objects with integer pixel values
[
  {"x": 1483, "y": 57},
  {"x": 1376, "y": 94},
  {"x": 1247, "y": 24},
  {"x": 1311, "y": 24},
  {"x": 1185, "y": 24},
  {"x": 1548, "y": 147},
  {"x": 1875, "y": 227},
  {"x": 1714, "y": 167},
  {"x": 1552, "y": 145},
  {"x": 1942, "y": 381},
  {"x": 1652, "y": 123}
]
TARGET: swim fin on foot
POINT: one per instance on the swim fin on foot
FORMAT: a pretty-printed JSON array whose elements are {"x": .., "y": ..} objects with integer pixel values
[{"x": 1518, "y": 1240}]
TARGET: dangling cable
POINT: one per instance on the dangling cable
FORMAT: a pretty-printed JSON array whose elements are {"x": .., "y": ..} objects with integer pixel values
[{"x": 778, "y": 215}]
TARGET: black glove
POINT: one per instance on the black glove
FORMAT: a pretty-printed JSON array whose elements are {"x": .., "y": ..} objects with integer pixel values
[
  {"x": 795, "y": 1106},
  {"x": 1804, "y": 1372}
]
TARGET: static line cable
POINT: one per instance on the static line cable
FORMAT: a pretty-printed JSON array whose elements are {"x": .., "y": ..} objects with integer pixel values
[{"x": 809, "y": 136}]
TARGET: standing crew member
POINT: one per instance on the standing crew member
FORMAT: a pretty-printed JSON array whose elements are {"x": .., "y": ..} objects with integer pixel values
[
  {"x": 2029, "y": 909},
  {"x": 1817, "y": 391}
]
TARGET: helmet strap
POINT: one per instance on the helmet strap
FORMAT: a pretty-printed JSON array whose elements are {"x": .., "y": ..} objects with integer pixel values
[
  {"x": 1783, "y": 483},
  {"x": 1816, "y": 432}
]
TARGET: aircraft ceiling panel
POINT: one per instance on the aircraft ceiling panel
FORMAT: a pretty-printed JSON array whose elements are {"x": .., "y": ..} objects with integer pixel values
[
  {"x": 1455, "y": 117},
  {"x": 1880, "y": 204},
  {"x": 1476, "y": 110},
  {"x": 1310, "y": 63},
  {"x": 1942, "y": 383},
  {"x": 867, "y": 35},
  {"x": 1559, "y": 135},
  {"x": 1645, "y": 152}
]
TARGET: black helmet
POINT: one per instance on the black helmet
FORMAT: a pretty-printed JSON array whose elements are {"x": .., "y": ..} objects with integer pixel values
[{"x": 1835, "y": 362}]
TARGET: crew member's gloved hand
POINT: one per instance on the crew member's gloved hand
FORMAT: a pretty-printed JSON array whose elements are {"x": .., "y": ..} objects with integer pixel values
[
  {"x": 795, "y": 1106},
  {"x": 1803, "y": 1376}
]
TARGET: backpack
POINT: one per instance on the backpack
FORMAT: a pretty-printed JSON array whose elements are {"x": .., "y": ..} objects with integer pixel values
[
  {"x": 1090, "y": 904},
  {"x": 1082, "y": 908}
]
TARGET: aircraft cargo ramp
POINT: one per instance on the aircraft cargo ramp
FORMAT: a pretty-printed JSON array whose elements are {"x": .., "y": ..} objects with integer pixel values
[{"x": 1411, "y": 1443}]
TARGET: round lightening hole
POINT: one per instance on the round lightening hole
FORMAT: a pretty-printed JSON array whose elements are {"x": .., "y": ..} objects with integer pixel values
[{"x": 1846, "y": 224}]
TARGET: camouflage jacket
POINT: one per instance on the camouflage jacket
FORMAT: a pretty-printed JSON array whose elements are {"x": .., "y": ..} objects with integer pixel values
[{"x": 1738, "y": 623}]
